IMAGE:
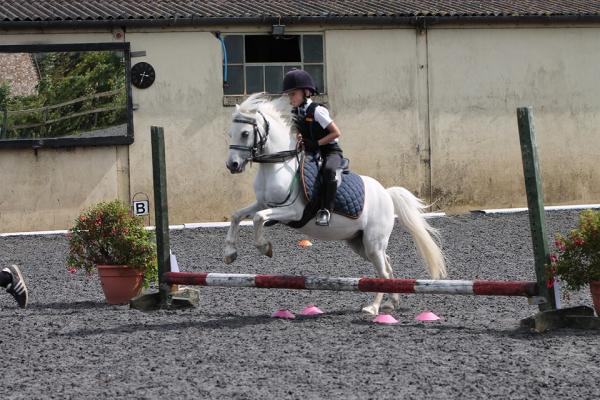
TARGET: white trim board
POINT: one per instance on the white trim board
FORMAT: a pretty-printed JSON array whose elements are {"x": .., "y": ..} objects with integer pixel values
[{"x": 547, "y": 208}]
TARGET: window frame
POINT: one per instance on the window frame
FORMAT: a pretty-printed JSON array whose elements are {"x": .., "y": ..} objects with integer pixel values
[
  {"x": 301, "y": 63},
  {"x": 65, "y": 142}
]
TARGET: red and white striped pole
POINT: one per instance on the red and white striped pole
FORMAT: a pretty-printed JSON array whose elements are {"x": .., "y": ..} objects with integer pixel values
[{"x": 456, "y": 287}]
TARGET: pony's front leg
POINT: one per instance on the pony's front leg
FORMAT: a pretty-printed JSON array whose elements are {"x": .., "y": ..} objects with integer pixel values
[
  {"x": 233, "y": 233},
  {"x": 280, "y": 214}
]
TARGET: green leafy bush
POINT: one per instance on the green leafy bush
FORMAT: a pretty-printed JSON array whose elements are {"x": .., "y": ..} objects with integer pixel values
[
  {"x": 108, "y": 234},
  {"x": 577, "y": 258},
  {"x": 65, "y": 76}
]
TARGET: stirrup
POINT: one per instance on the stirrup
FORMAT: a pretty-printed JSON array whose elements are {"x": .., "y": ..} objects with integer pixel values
[{"x": 323, "y": 217}]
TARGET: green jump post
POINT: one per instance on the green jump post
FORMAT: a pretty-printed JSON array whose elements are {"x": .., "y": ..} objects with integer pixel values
[
  {"x": 161, "y": 208},
  {"x": 535, "y": 203}
]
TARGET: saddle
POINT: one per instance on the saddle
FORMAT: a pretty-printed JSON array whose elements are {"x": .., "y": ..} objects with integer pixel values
[{"x": 350, "y": 196}]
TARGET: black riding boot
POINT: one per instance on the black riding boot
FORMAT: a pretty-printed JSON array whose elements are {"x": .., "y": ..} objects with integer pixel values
[{"x": 324, "y": 214}]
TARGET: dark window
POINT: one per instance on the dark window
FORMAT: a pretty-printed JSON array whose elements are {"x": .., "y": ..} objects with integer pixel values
[
  {"x": 255, "y": 79},
  {"x": 257, "y": 63},
  {"x": 313, "y": 48},
  {"x": 235, "y": 49},
  {"x": 272, "y": 49},
  {"x": 273, "y": 78},
  {"x": 65, "y": 95}
]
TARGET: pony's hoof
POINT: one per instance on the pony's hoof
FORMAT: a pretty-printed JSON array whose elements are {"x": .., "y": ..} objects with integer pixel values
[
  {"x": 230, "y": 258},
  {"x": 266, "y": 249},
  {"x": 372, "y": 309},
  {"x": 388, "y": 306},
  {"x": 269, "y": 252}
]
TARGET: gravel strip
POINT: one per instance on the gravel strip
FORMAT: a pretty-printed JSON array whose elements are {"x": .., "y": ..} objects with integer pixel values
[{"x": 69, "y": 344}]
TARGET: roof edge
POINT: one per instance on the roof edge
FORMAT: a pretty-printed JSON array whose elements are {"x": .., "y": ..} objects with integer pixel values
[{"x": 423, "y": 21}]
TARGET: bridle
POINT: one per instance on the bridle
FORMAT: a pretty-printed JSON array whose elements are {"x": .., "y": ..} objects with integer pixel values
[{"x": 259, "y": 141}]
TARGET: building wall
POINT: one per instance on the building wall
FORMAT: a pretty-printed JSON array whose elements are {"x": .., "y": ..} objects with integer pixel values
[
  {"x": 395, "y": 93},
  {"x": 478, "y": 77},
  {"x": 45, "y": 189},
  {"x": 374, "y": 97},
  {"x": 187, "y": 100}
]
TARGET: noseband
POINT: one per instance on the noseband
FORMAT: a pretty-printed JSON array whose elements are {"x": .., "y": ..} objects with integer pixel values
[{"x": 260, "y": 139}]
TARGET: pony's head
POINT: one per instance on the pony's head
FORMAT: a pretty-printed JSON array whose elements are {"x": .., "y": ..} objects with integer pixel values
[{"x": 259, "y": 126}]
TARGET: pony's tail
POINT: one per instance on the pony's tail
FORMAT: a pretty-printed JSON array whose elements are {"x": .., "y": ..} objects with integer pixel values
[{"x": 409, "y": 210}]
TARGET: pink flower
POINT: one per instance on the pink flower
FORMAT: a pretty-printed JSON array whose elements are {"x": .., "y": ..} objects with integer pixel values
[
  {"x": 579, "y": 242},
  {"x": 71, "y": 270},
  {"x": 550, "y": 283},
  {"x": 553, "y": 258}
]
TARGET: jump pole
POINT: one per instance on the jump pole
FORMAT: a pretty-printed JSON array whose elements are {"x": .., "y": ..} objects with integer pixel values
[{"x": 378, "y": 285}]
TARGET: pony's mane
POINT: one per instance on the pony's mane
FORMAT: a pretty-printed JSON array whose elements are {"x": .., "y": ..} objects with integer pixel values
[{"x": 278, "y": 108}]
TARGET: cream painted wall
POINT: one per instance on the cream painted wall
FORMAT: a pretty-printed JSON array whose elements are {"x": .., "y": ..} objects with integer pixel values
[
  {"x": 372, "y": 88},
  {"x": 478, "y": 77},
  {"x": 187, "y": 100},
  {"x": 385, "y": 87},
  {"x": 47, "y": 190}
]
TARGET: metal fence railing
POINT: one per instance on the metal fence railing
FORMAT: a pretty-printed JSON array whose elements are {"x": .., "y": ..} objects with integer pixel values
[{"x": 6, "y": 127}]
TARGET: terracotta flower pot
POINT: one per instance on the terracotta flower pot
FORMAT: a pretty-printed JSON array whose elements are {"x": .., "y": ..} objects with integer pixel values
[
  {"x": 120, "y": 283},
  {"x": 595, "y": 290}
]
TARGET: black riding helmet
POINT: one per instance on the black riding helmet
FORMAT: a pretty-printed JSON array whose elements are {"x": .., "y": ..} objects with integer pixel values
[{"x": 298, "y": 79}]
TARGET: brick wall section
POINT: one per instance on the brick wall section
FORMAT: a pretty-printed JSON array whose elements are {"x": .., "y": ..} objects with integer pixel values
[{"x": 19, "y": 72}]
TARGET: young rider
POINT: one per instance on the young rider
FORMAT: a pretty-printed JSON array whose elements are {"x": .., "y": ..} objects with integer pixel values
[{"x": 319, "y": 134}]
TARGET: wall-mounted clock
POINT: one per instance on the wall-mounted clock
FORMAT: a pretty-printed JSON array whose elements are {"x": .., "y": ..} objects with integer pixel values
[{"x": 142, "y": 75}]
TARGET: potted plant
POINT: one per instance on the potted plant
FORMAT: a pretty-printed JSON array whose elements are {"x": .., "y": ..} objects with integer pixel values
[
  {"x": 108, "y": 237},
  {"x": 576, "y": 262}
]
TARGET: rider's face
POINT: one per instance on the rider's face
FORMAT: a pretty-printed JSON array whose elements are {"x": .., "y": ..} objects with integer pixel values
[{"x": 296, "y": 97}]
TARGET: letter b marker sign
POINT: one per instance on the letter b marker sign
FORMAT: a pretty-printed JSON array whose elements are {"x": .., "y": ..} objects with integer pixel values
[{"x": 141, "y": 207}]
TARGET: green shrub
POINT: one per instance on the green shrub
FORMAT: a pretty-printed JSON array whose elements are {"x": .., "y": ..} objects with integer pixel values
[
  {"x": 577, "y": 258},
  {"x": 108, "y": 234}
]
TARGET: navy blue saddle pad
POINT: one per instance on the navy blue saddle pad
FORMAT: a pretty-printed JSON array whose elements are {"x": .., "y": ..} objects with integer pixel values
[{"x": 350, "y": 197}]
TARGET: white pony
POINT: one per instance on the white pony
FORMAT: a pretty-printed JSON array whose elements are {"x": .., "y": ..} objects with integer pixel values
[{"x": 262, "y": 131}]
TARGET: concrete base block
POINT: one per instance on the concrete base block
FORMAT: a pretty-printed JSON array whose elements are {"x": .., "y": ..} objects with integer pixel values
[
  {"x": 181, "y": 298},
  {"x": 581, "y": 317}
]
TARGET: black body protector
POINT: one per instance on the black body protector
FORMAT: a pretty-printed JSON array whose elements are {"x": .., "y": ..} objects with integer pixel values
[
  {"x": 312, "y": 131},
  {"x": 331, "y": 153}
]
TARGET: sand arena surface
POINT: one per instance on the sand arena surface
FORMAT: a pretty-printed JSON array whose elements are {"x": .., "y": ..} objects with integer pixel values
[{"x": 69, "y": 344}]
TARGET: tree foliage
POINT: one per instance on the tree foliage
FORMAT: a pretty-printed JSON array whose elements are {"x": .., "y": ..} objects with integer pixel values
[{"x": 66, "y": 76}]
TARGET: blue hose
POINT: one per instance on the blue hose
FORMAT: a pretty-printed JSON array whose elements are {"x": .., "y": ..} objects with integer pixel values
[{"x": 224, "y": 59}]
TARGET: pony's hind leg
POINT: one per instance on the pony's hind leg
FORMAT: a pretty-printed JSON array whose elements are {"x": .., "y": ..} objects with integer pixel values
[
  {"x": 394, "y": 298},
  {"x": 357, "y": 246},
  {"x": 377, "y": 257}
]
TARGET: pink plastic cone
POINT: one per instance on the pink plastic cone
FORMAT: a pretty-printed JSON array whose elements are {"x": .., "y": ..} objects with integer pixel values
[
  {"x": 427, "y": 316},
  {"x": 285, "y": 314},
  {"x": 385, "y": 319},
  {"x": 311, "y": 310}
]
